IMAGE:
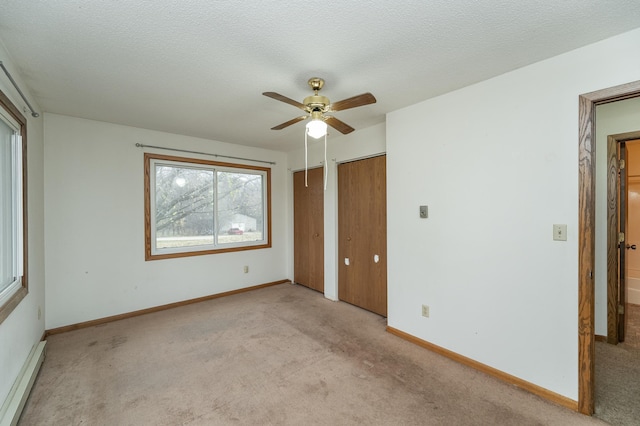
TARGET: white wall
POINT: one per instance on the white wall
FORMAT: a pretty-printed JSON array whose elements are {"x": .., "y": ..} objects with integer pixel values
[
  {"x": 95, "y": 225},
  {"x": 362, "y": 143},
  {"x": 611, "y": 119},
  {"x": 497, "y": 163},
  {"x": 23, "y": 329}
]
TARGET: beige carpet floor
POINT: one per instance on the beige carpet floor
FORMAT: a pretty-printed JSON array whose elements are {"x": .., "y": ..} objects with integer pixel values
[
  {"x": 617, "y": 394},
  {"x": 282, "y": 355},
  {"x": 632, "y": 329}
]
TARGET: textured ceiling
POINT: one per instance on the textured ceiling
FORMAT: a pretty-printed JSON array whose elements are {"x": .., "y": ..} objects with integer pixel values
[{"x": 198, "y": 67}]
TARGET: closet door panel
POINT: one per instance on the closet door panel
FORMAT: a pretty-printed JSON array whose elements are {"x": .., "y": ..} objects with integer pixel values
[
  {"x": 362, "y": 231},
  {"x": 308, "y": 227}
]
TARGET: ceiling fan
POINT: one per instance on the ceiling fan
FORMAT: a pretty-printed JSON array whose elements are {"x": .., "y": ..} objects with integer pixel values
[{"x": 316, "y": 106}]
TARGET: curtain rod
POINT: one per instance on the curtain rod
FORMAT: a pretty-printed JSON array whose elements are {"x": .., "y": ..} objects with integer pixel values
[
  {"x": 139, "y": 145},
  {"x": 6, "y": 71}
]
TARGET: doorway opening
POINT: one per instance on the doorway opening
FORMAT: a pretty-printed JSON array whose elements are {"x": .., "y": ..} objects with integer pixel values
[
  {"x": 623, "y": 177},
  {"x": 586, "y": 234}
]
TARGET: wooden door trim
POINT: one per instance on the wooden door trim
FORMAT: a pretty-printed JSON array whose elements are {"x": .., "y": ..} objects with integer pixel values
[
  {"x": 364, "y": 157},
  {"x": 613, "y": 141},
  {"x": 293, "y": 171},
  {"x": 586, "y": 233}
]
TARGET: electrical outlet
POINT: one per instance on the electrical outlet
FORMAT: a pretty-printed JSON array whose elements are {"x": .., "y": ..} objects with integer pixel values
[
  {"x": 425, "y": 311},
  {"x": 246, "y": 269},
  {"x": 424, "y": 212}
]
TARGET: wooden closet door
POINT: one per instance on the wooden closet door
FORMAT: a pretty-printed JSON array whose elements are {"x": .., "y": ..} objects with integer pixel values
[
  {"x": 308, "y": 229},
  {"x": 362, "y": 234}
]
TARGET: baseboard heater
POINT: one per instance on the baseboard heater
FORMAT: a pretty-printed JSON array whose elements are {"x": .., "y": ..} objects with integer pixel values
[{"x": 13, "y": 405}]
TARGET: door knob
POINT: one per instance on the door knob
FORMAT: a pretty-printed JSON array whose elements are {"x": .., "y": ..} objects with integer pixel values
[{"x": 632, "y": 246}]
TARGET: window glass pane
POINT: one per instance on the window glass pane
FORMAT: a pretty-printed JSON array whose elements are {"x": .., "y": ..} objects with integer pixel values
[
  {"x": 195, "y": 207},
  {"x": 7, "y": 236},
  {"x": 240, "y": 207},
  {"x": 183, "y": 207}
]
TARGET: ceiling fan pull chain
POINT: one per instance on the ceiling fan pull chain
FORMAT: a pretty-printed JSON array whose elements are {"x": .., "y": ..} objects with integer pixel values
[
  {"x": 325, "y": 162},
  {"x": 306, "y": 161}
]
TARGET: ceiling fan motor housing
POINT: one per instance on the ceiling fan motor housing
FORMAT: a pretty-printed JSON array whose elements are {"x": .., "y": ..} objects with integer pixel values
[{"x": 316, "y": 102}]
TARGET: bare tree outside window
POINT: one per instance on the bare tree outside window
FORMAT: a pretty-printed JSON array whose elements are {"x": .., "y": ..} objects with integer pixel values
[
  {"x": 240, "y": 207},
  {"x": 201, "y": 207},
  {"x": 184, "y": 207}
]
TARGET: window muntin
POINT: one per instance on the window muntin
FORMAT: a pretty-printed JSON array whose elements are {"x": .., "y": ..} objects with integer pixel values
[
  {"x": 195, "y": 207},
  {"x": 13, "y": 283}
]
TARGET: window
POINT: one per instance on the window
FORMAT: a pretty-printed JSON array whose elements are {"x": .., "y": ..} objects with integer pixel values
[
  {"x": 195, "y": 207},
  {"x": 13, "y": 281}
]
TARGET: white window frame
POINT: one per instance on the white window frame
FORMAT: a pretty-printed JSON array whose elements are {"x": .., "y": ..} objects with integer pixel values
[
  {"x": 16, "y": 290},
  {"x": 155, "y": 253}
]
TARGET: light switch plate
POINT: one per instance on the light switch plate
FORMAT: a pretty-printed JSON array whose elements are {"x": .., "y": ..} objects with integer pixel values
[
  {"x": 424, "y": 212},
  {"x": 559, "y": 232}
]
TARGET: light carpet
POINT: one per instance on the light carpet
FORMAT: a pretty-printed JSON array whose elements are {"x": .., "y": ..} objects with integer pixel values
[{"x": 282, "y": 355}]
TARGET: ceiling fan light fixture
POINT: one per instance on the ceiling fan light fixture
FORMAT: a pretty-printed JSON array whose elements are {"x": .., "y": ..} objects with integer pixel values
[{"x": 316, "y": 128}]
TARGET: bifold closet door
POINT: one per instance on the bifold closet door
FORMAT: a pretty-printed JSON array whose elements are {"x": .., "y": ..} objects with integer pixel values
[
  {"x": 308, "y": 229},
  {"x": 362, "y": 234}
]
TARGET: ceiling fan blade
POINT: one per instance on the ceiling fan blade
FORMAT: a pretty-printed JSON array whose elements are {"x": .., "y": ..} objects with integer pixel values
[
  {"x": 281, "y": 98},
  {"x": 290, "y": 122},
  {"x": 352, "y": 102},
  {"x": 340, "y": 126}
]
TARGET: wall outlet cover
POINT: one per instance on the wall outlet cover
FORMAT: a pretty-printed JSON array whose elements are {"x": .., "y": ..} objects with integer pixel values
[
  {"x": 425, "y": 311},
  {"x": 424, "y": 212}
]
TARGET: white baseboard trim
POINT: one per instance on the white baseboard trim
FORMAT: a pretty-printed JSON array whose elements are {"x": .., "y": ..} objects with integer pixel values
[{"x": 13, "y": 405}]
